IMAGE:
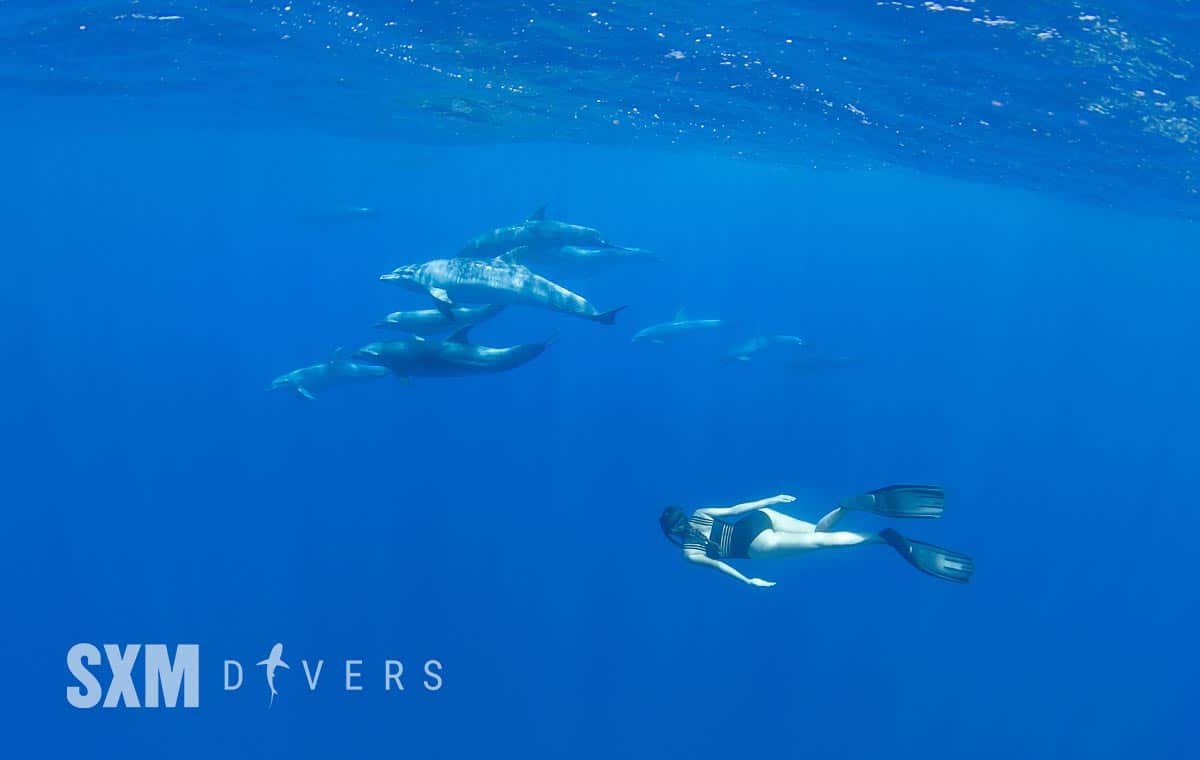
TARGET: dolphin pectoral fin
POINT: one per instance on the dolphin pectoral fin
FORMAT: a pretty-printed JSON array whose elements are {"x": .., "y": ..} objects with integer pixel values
[
  {"x": 460, "y": 335},
  {"x": 305, "y": 392},
  {"x": 551, "y": 340},
  {"x": 538, "y": 215},
  {"x": 606, "y": 317},
  {"x": 441, "y": 299},
  {"x": 404, "y": 379},
  {"x": 512, "y": 255}
]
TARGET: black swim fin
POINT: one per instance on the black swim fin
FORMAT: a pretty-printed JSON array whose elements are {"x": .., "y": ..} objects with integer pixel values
[
  {"x": 900, "y": 501},
  {"x": 934, "y": 560}
]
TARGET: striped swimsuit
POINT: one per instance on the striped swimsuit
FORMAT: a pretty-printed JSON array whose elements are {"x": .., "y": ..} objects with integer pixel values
[{"x": 727, "y": 540}]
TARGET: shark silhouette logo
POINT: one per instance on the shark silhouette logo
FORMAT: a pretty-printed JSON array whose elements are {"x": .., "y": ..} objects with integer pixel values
[{"x": 273, "y": 661}]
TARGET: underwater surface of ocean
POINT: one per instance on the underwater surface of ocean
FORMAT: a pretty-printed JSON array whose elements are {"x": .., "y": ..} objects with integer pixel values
[{"x": 978, "y": 216}]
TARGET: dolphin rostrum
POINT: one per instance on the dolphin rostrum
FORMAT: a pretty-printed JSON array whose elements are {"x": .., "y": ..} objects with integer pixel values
[
  {"x": 273, "y": 661},
  {"x": 679, "y": 326},
  {"x": 494, "y": 281},
  {"x": 336, "y": 371}
]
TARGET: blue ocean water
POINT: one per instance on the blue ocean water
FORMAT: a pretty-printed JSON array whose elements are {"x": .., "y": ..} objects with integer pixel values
[{"x": 975, "y": 203}]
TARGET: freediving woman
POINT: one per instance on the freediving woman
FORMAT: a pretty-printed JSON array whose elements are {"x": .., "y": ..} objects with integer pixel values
[{"x": 708, "y": 538}]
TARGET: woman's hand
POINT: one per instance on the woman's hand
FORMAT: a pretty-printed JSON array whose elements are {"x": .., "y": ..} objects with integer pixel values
[
  {"x": 783, "y": 498},
  {"x": 760, "y": 583}
]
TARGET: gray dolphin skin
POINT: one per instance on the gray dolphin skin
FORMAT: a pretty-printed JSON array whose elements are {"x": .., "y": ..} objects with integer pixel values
[
  {"x": 537, "y": 230},
  {"x": 578, "y": 259},
  {"x": 747, "y": 350},
  {"x": 432, "y": 321},
  {"x": 492, "y": 281},
  {"x": 307, "y": 381},
  {"x": 676, "y": 328},
  {"x": 452, "y": 357}
]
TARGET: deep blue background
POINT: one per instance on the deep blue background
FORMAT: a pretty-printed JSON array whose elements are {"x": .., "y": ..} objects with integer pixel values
[{"x": 1036, "y": 357}]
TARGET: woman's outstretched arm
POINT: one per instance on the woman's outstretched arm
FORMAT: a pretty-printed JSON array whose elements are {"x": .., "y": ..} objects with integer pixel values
[
  {"x": 749, "y": 506},
  {"x": 700, "y": 558}
]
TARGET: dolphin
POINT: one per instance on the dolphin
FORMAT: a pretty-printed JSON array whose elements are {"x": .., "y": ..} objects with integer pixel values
[
  {"x": 747, "y": 350},
  {"x": 338, "y": 214},
  {"x": 578, "y": 259},
  {"x": 492, "y": 281},
  {"x": 455, "y": 356},
  {"x": 337, "y": 371},
  {"x": 680, "y": 325},
  {"x": 432, "y": 321},
  {"x": 273, "y": 661},
  {"x": 537, "y": 230}
]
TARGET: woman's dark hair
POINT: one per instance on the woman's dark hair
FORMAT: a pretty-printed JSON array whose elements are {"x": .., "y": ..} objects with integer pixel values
[{"x": 674, "y": 524}]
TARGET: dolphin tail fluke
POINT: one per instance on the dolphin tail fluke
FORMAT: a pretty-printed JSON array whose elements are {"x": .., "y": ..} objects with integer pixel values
[{"x": 606, "y": 317}]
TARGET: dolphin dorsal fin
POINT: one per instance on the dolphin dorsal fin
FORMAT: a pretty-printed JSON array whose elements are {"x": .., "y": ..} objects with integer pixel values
[
  {"x": 538, "y": 215},
  {"x": 460, "y": 336},
  {"x": 680, "y": 315}
]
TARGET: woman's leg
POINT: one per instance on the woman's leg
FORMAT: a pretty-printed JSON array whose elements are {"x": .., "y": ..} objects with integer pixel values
[
  {"x": 787, "y": 523},
  {"x": 773, "y": 543}
]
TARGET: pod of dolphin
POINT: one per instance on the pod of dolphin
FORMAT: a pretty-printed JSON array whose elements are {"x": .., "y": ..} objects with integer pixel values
[{"x": 491, "y": 272}]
